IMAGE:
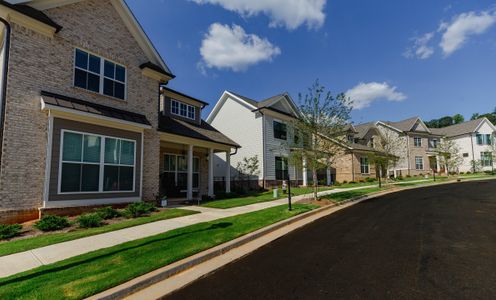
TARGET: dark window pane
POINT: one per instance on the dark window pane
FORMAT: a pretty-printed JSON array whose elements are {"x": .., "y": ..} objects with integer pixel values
[
  {"x": 196, "y": 181},
  {"x": 71, "y": 178},
  {"x": 182, "y": 181},
  {"x": 81, "y": 59},
  {"x": 80, "y": 78},
  {"x": 94, "y": 64},
  {"x": 119, "y": 90},
  {"x": 120, "y": 73},
  {"x": 91, "y": 149},
  {"x": 73, "y": 143},
  {"x": 93, "y": 82},
  {"x": 90, "y": 178},
  {"x": 112, "y": 151},
  {"x": 109, "y": 69},
  {"x": 111, "y": 178},
  {"x": 127, "y": 153},
  {"x": 126, "y": 178},
  {"x": 108, "y": 87}
]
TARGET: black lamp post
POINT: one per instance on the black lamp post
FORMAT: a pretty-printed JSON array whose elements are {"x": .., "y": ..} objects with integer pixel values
[{"x": 289, "y": 188}]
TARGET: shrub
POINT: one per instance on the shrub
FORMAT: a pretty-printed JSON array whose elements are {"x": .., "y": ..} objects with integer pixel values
[
  {"x": 370, "y": 179},
  {"x": 345, "y": 181},
  {"x": 90, "y": 220},
  {"x": 400, "y": 178},
  {"x": 139, "y": 209},
  {"x": 468, "y": 173},
  {"x": 52, "y": 223},
  {"x": 9, "y": 231},
  {"x": 352, "y": 182},
  {"x": 462, "y": 173},
  {"x": 362, "y": 180},
  {"x": 108, "y": 213},
  {"x": 408, "y": 176}
]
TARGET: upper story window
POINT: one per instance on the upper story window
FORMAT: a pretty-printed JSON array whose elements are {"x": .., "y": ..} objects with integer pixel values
[
  {"x": 350, "y": 138},
  {"x": 483, "y": 139},
  {"x": 183, "y": 109},
  {"x": 99, "y": 75},
  {"x": 433, "y": 143},
  {"x": 417, "y": 141},
  {"x": 280, "y": 130}
]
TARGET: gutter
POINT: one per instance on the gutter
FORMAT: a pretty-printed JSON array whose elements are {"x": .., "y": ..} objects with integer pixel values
[
  {"x": 4, "y": 84},
  {"x": 473, "y": 152}
]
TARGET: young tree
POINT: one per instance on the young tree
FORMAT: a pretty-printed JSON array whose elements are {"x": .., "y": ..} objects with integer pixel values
[
  {"x": 450, "y": 152},
  {"x": 458, "y": 118},
  {"x": 248, "y": 167},
  {"x": 389, "y": 146},
  {"x": 492, "y": 150},
  {"x": 323, "y": 119}
]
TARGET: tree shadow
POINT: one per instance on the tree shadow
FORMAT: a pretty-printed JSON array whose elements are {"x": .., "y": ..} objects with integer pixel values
[{"x": 215, "y": 226}]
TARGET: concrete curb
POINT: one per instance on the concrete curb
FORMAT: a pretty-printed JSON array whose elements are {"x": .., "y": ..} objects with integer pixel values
[{"x": 149, "y": 279}]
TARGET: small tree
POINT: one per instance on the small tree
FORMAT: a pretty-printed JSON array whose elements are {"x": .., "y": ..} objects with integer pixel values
[
  {"x": 458, "y": 118},
  {"x": 450, "y": 152},
  {"x": 391, "y": 145},
  {"x": 476, "y": 165},
  {"x": 322, "y": 121},
  {"x": 248, "y": 167}
]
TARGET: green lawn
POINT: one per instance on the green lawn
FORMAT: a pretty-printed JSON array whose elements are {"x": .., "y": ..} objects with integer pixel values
[
  {"x": 88, "y": 274},
  {"x": 338, "y": 197},
  {"x": 7, "y": 248},
  {"x": 258, "y": 197}
]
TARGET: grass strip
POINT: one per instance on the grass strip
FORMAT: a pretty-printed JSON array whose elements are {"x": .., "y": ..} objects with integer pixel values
[
  {"x": 90, "y": 273},
  {"x": 22, "y": 245},
  {"x": 338, "y": 197}
]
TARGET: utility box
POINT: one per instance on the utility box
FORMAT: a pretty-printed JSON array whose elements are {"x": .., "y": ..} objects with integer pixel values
[{"x": 276, "y": 193}]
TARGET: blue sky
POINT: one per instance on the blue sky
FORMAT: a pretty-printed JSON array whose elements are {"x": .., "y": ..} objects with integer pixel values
[{"x": 397, "y": 58}]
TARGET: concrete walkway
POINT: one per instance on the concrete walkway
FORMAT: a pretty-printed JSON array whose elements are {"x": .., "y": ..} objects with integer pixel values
[{"x": 24, "y": 261}]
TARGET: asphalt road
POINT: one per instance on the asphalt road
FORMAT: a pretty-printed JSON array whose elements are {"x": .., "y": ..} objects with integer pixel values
[{"x": 431, "y": 243}]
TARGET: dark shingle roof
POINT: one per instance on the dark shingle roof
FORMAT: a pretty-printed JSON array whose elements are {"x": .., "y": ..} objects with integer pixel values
[
  {"x": 405, "y": 125},
  {"x": 32, "y": 13},
  {"x": 362, "y": 129},
  {"x": 204, "y": 131},
  {"x": 249, "y": 100},
  {"x": 92, "y": 108},
  {"x": 458, "y": 129}
]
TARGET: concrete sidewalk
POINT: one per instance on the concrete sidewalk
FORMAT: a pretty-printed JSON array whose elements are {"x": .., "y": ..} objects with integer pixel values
[{"x": 24, "y": 261}]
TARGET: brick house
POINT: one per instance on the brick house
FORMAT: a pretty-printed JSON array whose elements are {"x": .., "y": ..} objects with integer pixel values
[{"x": 82, "y": 121}]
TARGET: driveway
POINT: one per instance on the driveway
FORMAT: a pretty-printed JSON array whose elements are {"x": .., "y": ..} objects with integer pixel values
[{"x": 430, "y": 243}]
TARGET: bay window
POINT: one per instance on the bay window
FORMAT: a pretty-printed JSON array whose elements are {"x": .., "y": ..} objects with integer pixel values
[{"x": 93, "y": 163}]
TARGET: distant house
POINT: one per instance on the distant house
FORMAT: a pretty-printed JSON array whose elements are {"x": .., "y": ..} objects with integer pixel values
[{"x": 475, "y": 139}]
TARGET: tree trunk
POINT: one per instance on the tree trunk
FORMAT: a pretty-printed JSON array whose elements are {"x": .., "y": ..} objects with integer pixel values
[{"x": 315, "y": 184}]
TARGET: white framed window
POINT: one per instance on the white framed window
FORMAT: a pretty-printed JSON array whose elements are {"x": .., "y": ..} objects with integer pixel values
[
  {"x": 183, "y": 110},
  {"x": 486, "y": 159},
  {"x": 91, "y": 163},
  {"x": 177, "y": 166},
  {"x": 280, "y": 130},
  {"x": 99, "y": 75},
  {"x": 417, "y": 141},
  {"x": 484, "y": 139},
  {"x": 364, "y": 165},
  {"x": 419, "y": 163}
]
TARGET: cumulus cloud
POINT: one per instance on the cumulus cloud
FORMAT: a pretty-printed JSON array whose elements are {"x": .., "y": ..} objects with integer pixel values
[
  {"x": 363, "y": 94},
  {"x": 289, "y": 13},
  {"x": 420, "y": 48},
  {"x": 461, "y": 27},
  {"x": 226, "y": 47}
]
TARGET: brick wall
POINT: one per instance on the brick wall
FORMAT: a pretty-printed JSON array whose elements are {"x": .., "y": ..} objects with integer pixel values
[{"x": 41, "y": 63}]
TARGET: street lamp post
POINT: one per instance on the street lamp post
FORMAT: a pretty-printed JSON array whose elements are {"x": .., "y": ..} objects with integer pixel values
[{"x": 289, "y": 187}]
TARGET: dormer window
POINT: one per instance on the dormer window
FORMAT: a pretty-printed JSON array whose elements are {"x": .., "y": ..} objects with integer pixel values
[
  {"x": 183, "y": 110},
  {"x": 99, "y": 75}
]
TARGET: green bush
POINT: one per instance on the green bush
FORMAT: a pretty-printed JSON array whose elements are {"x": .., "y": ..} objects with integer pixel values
[
  {"x": 9, "y": 231},
  {"x": 408, "y": 176},
  {"x": 139, "y": 209},
  {"x": 108, "y": 213},
  {"x": 90, "y": 220},
  {"x": 352, "y": 182},
  {"x": 345, "y": 181},
  {"x": 370, "y": 179},
  {"x": 52, "y": 223}
]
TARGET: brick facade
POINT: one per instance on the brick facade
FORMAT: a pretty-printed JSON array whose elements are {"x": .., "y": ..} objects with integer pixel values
[
  {"x": 41, "y": 63},
  {"x": 348, "y": 167}
]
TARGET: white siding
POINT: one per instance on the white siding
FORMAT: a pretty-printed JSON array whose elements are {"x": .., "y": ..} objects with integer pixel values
[{"x": 239, "y": 123}]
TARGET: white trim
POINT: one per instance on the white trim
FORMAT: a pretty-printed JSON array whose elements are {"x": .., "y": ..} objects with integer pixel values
[
  {"x": 50, "y": 107},
  {"x": 389, "y": 126},
  {"x": 90, "y": 202},
  {"x": 221, "y": 102},
  {"x": 142, "y": 163},
  {"x": 48, "y": 162},
  {"x": 423, "y": 163},
  {"x": 101, "y": 164}
]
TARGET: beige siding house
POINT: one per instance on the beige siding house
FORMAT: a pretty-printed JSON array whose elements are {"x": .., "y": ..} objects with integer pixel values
[{"x": 79, "y": 118}]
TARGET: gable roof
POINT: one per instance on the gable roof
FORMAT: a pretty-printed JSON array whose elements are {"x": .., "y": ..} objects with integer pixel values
[
  {"x": 404, "y": 125},
  {"x": 462, "y": 128},
  {"x": 35, "y": 8},
  {"x": 32, "y": 13},
  {"x": 362, "y": 129}
]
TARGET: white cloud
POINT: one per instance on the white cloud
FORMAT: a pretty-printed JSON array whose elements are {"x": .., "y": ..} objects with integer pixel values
[
  {"x": 461, "y": 27},
  {"x": 289, "y": 13},
  {"x": 420, "y": 48},
  {"x": 226, "y": 47},
  {"x": 364, "y": 94}
]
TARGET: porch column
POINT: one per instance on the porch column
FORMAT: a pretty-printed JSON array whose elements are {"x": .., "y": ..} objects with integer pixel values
[
  {"x": 228, "y": 172},
  {"x": 189, "y": 193},
  {"x": 305, "y": 172},
  {"x": 329, "y": 177},
  {"x": 210, "y": 172},
  {"x": 438, "y": 164}
]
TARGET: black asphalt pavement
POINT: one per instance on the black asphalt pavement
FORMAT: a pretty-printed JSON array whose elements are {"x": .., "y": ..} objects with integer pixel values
[{"x": 430, "y": 243}]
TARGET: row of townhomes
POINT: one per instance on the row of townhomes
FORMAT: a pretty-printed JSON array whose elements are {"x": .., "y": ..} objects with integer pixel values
[{"x": 87, "y": 119}]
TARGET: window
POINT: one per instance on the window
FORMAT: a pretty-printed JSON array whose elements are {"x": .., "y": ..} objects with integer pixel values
[
  {"x": 417, "y": 142},
  {"x": 183, "y": 110},
  {"x": 350, "y": 138},
  {"x": 297, "y": 138},
  {"x": 281, "y": 168},
  {"x": 419, "y": 162},
  {"x": 465, "y": 154},
  {"x": 364, "y": 165},
  {"x": 93, "y": 163},
  {"x": 177, "y": 167},
  {"x": 280, "y": 130},
  {"x": 486, "y": 159},
  {"x": 99, "y": 75},
  {"x": 433, "y": 143},
  {"x": 484, "y": 139},
  {"x": 371, "y": 143}
]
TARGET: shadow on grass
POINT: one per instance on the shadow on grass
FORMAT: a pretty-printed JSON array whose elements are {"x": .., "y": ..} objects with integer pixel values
[{"x": 221, "y": 225}]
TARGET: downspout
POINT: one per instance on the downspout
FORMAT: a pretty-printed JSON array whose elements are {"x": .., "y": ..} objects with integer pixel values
[
  {"x": 4, "y": 85},
  {"x": 263, "y": 149},
  {"x": 352, "y": 166},
  {"x": 408, "y": 152},
  {"x": 473, "y": 152}
]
